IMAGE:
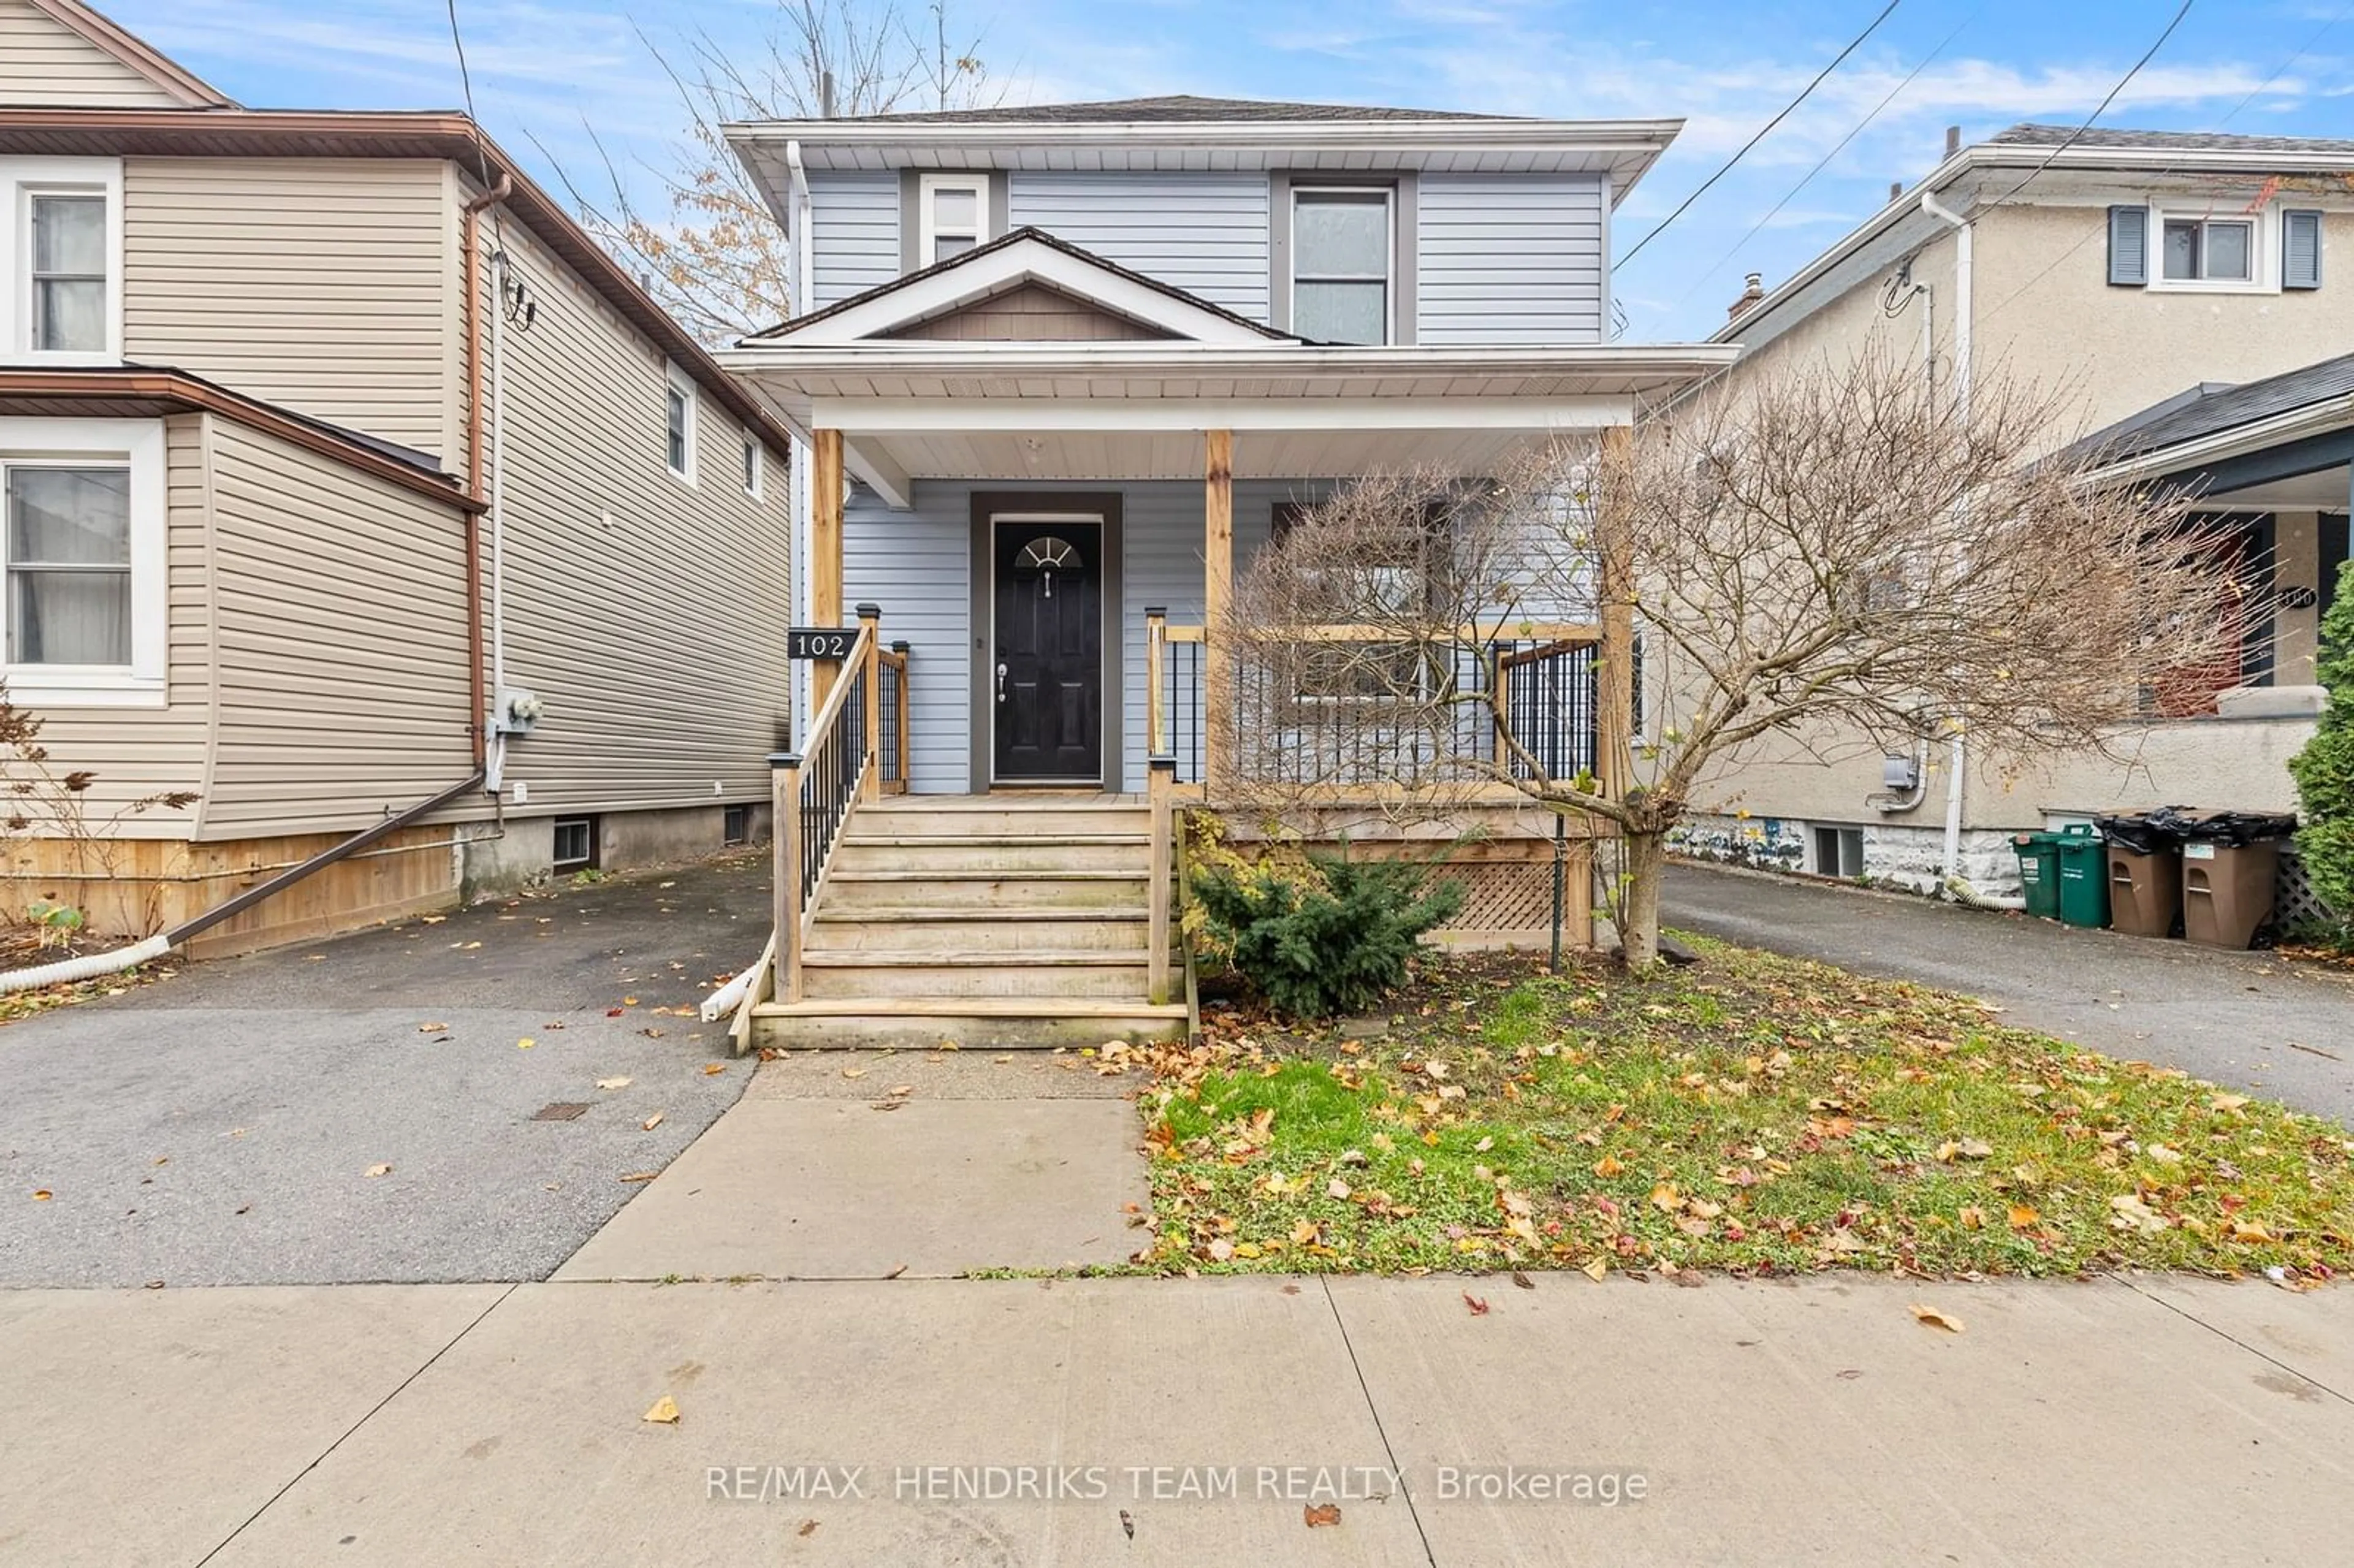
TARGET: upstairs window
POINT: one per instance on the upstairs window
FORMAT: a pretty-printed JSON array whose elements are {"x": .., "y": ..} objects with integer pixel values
[
  {"x": 60, "y": 239},
  {"x": 752, "y": 468},
  {"x": 69, "y": 272},
  {"x": 2228, "y": 251},
  {"x": 1340, "y": 251},
  {"x": 954, "y": 214},
  {"x": 678, "y": 433}
]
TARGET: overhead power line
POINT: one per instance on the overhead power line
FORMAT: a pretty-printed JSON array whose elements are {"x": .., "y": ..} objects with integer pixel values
[
  {"x": 2071, "y": 137},
  {"x": 1726, "y": 167}
]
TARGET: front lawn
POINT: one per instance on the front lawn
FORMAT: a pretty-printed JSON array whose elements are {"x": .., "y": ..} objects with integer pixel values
[{"x": 1752, "y": 1113}]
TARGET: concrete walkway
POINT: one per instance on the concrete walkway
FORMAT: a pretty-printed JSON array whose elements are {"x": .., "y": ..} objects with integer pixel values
[
  {"x": 2248, "y": 1020},
  {"x": 2126, "y": 1421}
]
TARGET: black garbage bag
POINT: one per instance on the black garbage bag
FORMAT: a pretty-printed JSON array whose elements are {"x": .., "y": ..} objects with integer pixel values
[
  {"x": 2235, "y": 829},
  {"x": 2139, "y": 832}
]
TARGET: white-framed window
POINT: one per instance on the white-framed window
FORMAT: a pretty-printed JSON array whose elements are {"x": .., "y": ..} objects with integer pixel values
[
  {"x": 1343, "y": 242},
  {"x": 61, "y": 260},
  {"x": 952, "y": 216},
  {"x": 678, "y": 422},
  {"x": 753, "y": 463},
  {"x": 2201, "y": 249},
  {"x": 82, "y": 611}
]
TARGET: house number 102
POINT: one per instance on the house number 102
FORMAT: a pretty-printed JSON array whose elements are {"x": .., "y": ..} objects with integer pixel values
[{"x": 819, "y": 643}]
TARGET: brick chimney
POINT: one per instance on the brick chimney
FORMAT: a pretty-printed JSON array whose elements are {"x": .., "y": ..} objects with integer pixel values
[{"x": 1753, "y": 289}]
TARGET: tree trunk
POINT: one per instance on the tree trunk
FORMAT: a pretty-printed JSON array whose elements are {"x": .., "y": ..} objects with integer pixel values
[{"x": 1638, "y": 898}]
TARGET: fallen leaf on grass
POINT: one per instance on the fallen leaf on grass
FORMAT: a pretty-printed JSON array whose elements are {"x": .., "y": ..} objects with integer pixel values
[
  {"x": 1937, "y": 1319},
  {"x": 1595, "y": 1267},
  {"x": 651, "y": 1122},
  {"x": 1221, "y": 1251},
  {"x": 379, "y": 1170},
  {"x": 612, "y": 1083},
  {"x": 1478, "y": 1308},
  {"x": 665, "y": 1411},
  {"x": 2022, "y": 1215},
  {"x": 1318, "y": 1515}
]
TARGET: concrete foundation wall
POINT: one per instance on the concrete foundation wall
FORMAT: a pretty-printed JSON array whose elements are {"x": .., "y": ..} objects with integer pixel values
[{"x": 1908, "y": 858}]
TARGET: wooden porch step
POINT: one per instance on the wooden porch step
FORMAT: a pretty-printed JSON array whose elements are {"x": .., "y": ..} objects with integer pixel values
[
  {"x": 995, "y": 976},
  {"x": 1043, "y": 855},
  {"x": 888, "y": 892},
  {"x": 929, "y": 820},
  {"x": 974, "y": 1023},
  {"x": 860, "y": 928},
  {"x": 861, "y": 832}
]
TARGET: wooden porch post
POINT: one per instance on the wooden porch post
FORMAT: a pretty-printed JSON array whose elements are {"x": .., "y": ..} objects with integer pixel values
[
  {"x": 870, "y": 779},
  {"x": 785, "y": 837},
  {"x": 1613, "y": 766},
  {"x": 1217, "y": 588},
  {"x": 824, "y": 552},
  {"x": 1160, "y": 775}
]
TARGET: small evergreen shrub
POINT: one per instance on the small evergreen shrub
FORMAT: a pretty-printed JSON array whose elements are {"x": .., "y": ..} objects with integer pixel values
[
  {"x": 1333, "y": 936},
  {"x": 2324, "y": 772}
]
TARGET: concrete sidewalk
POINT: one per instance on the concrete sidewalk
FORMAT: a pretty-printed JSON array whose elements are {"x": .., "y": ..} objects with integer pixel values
[
  {"x": 2247, "y": 1020},
  {"x": 2144, "y": 1422}
]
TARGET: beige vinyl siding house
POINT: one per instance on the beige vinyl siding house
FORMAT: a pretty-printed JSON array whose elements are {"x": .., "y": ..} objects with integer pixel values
[
  {"x": 325, "y": 284},
  {"x": 42, "y": 62},
  {"x": 2048, "y": 306},
  {"x": 273, "y": 376}
]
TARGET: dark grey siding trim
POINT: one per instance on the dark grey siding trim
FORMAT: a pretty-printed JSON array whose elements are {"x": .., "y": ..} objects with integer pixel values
[
  {"x": 911, "y": 213},
  {"x": 1278, "y": 226}
]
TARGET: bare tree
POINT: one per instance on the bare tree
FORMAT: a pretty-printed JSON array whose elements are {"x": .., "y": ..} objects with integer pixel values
[
  {"x": 1827, "y": 552},
  {"x": 707, "y": 246}
]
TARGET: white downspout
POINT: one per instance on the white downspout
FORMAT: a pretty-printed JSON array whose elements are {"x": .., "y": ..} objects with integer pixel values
[
  {"x": 1957, "y": 754},
  {"x": 798, "y": 303},
  {"x": 494, "y": 769}
]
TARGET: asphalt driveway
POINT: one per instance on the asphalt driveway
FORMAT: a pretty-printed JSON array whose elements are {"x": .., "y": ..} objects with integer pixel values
[
  {"x": 2248, "y": 1020},
  {"x": 221, "y": 1126}
]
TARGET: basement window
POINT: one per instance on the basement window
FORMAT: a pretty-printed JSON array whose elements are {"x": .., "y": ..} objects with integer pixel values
[
  {"x": 576, "y": 843},
  {"x": 1838, "y": 851},
  {"x": 735, "y": 825}
]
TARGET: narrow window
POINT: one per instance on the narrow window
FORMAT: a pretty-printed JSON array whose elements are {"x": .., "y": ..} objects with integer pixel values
[
  {"x": 679, "y": 424},
  {"x": 752, "y": 468},
  {"x": 68, "y": 273},
  {"x": 735, "y": 825},
  {"x": 69, "y": 566},
  {"x": 2207, "y": 250},
  {"x": 954, "y": 215},
  {"x": 1340, "y": 265},
  {"x": 576, "y": 843}
]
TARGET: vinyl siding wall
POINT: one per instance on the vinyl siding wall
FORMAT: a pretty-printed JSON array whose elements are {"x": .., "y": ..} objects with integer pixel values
[
  {"x": 1205, "y": 233},
  {"x": 340, "y": 607},
  {"x": 138, "y": 752},
  {"x": 854, "y": 232},
  {"x": 326, "y": 285},
  {"x": 915, "y": 565},
  {"x": 648, "y": 614},
  {"x": 1510, "y": 259},
  {"x": 45, "y": 62}
]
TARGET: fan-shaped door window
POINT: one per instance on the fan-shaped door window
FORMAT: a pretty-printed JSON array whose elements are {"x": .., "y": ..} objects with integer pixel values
[{"x": 1043, "y": 558}]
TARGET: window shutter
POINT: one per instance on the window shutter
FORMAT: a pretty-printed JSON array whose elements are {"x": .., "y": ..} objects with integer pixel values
[
  {"x": 2300, "y": 251},
  {"x": 2129, "y": 247}
]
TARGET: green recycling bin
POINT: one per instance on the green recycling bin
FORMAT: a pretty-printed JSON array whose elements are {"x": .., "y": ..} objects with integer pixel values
[
  {"x": 2039, "y": 871},
  {"x": 2084, "y": 876}
]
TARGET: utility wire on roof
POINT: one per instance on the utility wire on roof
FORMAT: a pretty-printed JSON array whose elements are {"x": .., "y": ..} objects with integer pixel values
[
  {"x": 2070, "y": 139},
  {"x": 1726, "y": 167},
  {"x": 1792, "y": 194}
]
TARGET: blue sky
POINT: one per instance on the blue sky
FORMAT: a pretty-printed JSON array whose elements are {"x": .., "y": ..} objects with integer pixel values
[{"x": 542, "y": 70}]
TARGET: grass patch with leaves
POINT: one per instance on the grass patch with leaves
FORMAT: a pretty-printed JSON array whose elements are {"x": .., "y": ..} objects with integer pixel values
[{"x": 1754, "y": 1114}]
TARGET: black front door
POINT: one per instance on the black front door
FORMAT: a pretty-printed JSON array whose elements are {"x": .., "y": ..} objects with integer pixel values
[{"x": 1046, "y": 682}]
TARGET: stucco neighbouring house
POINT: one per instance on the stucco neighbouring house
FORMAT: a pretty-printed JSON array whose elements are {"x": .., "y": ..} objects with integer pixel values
[
  {"x": 344, "y": 475},
  {"x": 2142, "y": 274}
]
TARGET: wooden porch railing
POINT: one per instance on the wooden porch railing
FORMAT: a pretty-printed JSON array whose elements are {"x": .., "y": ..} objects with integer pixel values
[{"x": 854, "y": 751}]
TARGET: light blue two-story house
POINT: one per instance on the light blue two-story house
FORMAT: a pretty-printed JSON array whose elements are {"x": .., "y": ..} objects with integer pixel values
[{"x": 1061, "y": 370}]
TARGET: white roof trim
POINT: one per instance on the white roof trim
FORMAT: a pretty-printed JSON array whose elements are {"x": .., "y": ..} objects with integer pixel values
[
  {"x": 1256, "y": 355},
  {"x": 1024, "y": 260},
  {"x": 1640, "y": 138}
]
